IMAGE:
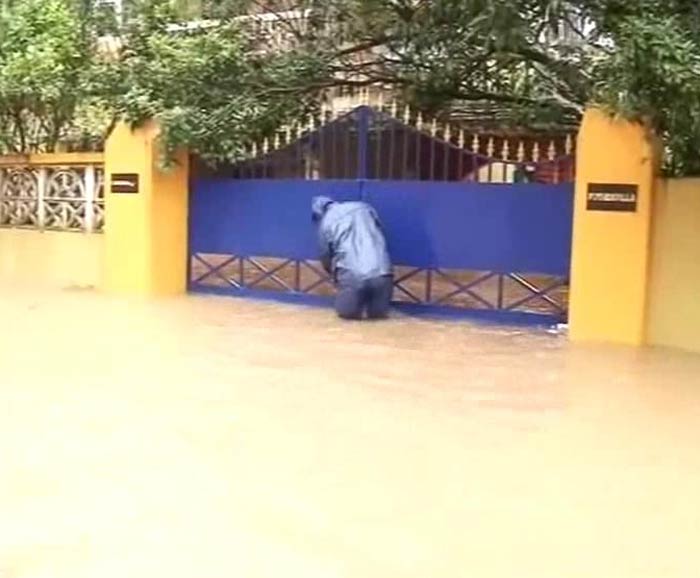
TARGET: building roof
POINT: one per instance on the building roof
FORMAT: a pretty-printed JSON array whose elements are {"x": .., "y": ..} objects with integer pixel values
[{"x": 503, "y": 119}]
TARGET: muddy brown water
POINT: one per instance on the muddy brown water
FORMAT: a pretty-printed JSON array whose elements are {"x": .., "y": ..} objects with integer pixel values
[{"x": 219, "y": 437}]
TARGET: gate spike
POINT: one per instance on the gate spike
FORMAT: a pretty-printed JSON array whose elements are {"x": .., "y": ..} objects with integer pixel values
[
  {"x": 254, "y": 150},
  {"x": 380, "y": 101},
  {"x": 536, "y": 152},
  {"x": 324, "y": 113},
  {"x": 552, "y": 151},
  {"x": 447, "y": 135},
  {"x": 394, "y": 108},
  {"x": 334, "y": 110},
  {"x": 288, "y": 134},
  {"x": 505, "y": 152},
  {"x": 569, "y": 145},
  {"x": 491, "y": 148},
  {"x": 433, "y": 128},
  {"x": 407, "y": 115},
  {"x": 521, "y": 152},
  {"x": 276, "y": 144},
  {"x": 476, "y": 144},
  {"x": 461, "y": 139},
  {"x": 419, "y": 121},
  {"x": 266, "y": 146}
]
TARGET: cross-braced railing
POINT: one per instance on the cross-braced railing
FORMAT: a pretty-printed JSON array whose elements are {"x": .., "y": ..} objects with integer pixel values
[{"x": 452, "y": 289}]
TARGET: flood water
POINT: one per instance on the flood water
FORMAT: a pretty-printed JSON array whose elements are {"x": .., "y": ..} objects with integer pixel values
[{"x": 206, "y": 437}]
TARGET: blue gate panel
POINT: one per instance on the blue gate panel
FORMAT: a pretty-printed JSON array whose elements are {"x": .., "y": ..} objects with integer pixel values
[
  {"x": 503, "y": 237},
  {"x": 485, "y": 227},
  {"x": 258, "y": 217}
]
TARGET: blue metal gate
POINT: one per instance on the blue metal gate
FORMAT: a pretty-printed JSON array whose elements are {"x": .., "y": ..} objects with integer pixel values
[{"x": 487, "y": 250}]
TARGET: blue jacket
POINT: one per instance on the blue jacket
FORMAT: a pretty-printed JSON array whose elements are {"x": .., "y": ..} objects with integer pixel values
[{"x": 353, "y": 247}]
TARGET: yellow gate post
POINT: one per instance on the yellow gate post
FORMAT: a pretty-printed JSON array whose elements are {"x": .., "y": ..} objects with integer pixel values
[
  {"x": 146, "y": 208},
  {"x": 616, "y": 167}
]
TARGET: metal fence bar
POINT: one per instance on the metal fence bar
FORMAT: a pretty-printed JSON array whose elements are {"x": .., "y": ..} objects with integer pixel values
[
  {"x": 536, "y": 293},
  {"x": 268, "y": 274},
  {"x": 408, "y": 293},
  {"x": 323, "y": 278},
  {"x": 362, "y": 142},
  {"x": 501, "y": 289},
  {"x": 429, "y": 286},
  {"x": 41, "y": 197},
  {"x": 90, "y": 198},
  {"x": 214, "y": 270},
  {"x": 463, "y": 289}
]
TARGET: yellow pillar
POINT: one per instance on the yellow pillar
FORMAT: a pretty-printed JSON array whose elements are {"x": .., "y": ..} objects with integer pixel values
[
  {"x": 146, "y": 208},
  {"x": 616, "y": 162}
]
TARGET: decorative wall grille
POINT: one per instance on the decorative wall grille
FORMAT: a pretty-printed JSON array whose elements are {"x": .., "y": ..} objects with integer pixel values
[{"x": 52, "y": 197}]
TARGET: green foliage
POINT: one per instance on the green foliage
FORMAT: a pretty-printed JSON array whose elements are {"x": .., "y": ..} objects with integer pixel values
[
  {"x": 653, "y": 76},
  {"x": 47, "y": 73},
  {"x": 217, "y": 89},
  {"x": 638, "y": 58},
  {"x": 211, "y": 91}
]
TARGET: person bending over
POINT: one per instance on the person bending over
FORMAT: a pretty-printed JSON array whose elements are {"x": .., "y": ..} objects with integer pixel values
[{"x": 354, "y": 252}]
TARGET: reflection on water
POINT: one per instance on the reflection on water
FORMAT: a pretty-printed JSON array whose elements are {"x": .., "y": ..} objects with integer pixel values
[{"x": 222, "y": 437}]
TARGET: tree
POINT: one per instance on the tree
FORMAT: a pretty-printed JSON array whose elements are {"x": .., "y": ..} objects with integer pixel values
[
  {"x": 652, "y": 75},
  {"x": 637, "y": 58},
  {"x": 218, "y": 88},
  {"x": 47, "y": 74},
  {"x": 211, "y": 90}
]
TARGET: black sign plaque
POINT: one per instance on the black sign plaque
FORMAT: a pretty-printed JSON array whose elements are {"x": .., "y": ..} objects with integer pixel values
[
  {"x": 125, "y": 183},
  {"x": 612, "y": 197}
]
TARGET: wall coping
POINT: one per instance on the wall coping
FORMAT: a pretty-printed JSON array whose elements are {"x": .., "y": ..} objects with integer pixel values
[
  {"x": 693, "y": 180},
  {"x": 52, "y": 159}
]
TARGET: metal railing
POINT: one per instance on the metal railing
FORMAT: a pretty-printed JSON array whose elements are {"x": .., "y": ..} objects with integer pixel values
[{"x": 362, "y": 136}]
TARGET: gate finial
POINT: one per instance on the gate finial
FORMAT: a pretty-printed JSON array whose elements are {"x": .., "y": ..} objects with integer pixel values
[
  {"x": 569, "y": 145},
  {"x": 364, "y": 96},
  {"x": 505, "y": 152}
]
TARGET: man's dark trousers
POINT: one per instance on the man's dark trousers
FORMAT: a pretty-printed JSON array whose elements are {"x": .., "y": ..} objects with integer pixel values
[{"x": 372, "y": 296}]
